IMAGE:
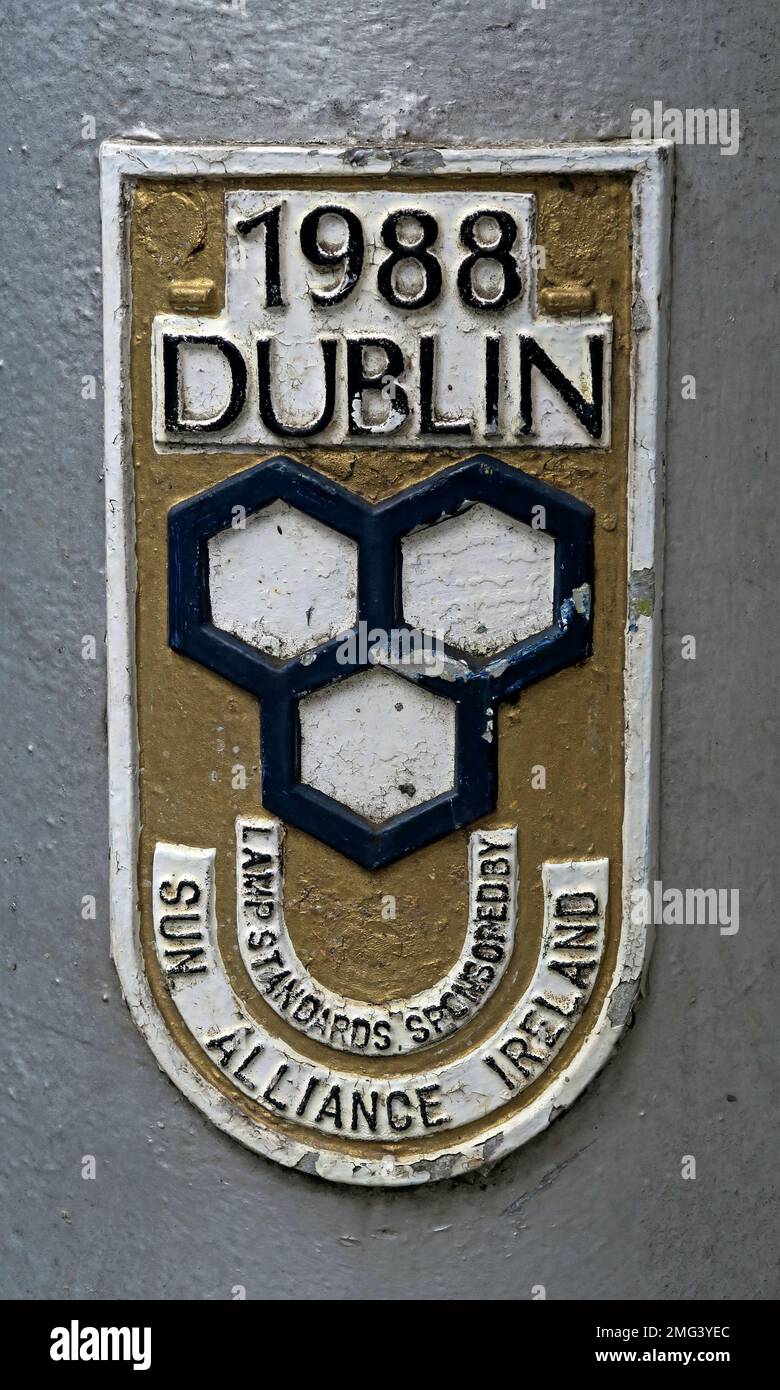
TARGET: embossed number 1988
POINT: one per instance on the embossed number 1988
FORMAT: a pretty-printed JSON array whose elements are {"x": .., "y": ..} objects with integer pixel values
[{"x": 410, "y": 276}]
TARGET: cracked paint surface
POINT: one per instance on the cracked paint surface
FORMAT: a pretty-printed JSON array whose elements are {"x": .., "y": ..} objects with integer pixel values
[
  {"x": 282, "y": 580},
  {"x": 378, "y": 743},
  {"x": 482, "y": 579}
]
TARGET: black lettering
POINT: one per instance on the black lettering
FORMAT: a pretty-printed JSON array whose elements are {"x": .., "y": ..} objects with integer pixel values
[
  {"x": 186, "y": 965},
  {"x": 448, "y": 1000},
  {"x": 576, "y": 973},
  {"x": 488, "y": 950},
  {"x": 269, "y": 220},
  {"x": 255, "y": 859},
  {"x": 492, "y": 892},
  {"x": 359, "y": 381},
  {"x": 493, "y": 1064},
  {"x": 590, "y": 415},
  {"x": 267, "y": 413},
  {"x": 171, "y": 935},
  {"x": 351, "y": 256},
  {"x": 498, "y": 867},
  {"x": 404, "y": 251},
  {"x": 172, "y": 899},
  {"x": 416, "y": 1027},
  {"x": 429, "y": 424},
  {"x": 492, "y": 911},
  {"x": 174, "y": 424},
  {"x": 260, "y": 941},
  {"x": 552, "y": 1007},
  {"x": 572, "y": 938},
  {"x": 576, "y": 905},
  {"x": 339, "y": 1026},
  {"x": 360, "y": 1111},
  {"x": 306, "y": 1009},
  {"x": 262, "y": 910},
  {"x": 330, "y": 1108},
  {"x": 226, "y": 1045},
  {"x": 302, "y": 1105},
  {"x": 425, "y": 1097},
  {"x": 240, "y": 1072},
  {"x": 499, "y": 250},
  {"x": 434, "y": 1016},
  {"x": 492, "y": 384},
  {"x": 268, "y": 1093},
  {"x": 396, "y": 1123},
  {"x": 516, "y": 1048},
  {"x": 488, "y": 931}
]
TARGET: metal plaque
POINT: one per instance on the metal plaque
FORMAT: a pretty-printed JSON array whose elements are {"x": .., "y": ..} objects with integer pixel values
[{"x": 383, "y": 471}]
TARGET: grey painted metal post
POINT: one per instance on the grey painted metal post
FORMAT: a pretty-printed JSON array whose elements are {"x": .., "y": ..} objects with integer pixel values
[{"x": 597, "y": 1207}]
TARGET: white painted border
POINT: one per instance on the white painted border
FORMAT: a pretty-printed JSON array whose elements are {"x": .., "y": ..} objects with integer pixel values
[{"x": 650, "y": 165}]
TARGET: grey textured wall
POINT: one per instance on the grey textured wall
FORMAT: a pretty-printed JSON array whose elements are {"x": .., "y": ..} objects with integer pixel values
[{"x": 597, "y": 1206}]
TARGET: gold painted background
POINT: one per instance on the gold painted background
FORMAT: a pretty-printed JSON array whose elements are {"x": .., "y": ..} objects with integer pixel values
[{"x": 194, "y": 726}]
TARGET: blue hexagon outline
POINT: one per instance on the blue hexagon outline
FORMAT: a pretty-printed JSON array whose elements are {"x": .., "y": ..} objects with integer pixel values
[
  {"x": 193, "y": 523},
  {"x": 473, "y": 793},
  {"x": 489, "y": 480},
  {"x": 377, "y": 530}
]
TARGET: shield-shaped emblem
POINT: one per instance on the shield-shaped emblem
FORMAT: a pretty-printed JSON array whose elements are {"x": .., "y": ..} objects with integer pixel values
[{"x": 383, "y": 466}]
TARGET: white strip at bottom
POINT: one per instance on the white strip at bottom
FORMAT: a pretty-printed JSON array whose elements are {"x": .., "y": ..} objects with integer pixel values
[{"x": 345, "y": 1101}]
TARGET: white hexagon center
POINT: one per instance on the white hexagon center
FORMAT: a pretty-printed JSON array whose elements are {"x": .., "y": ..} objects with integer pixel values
[
  {"x": 378, "y": 743},
  {"x": 283, "y": 582},
  {"x": 482, "y": 579}
]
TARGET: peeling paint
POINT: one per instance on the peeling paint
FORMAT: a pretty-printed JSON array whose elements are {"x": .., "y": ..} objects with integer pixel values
[
  {"x": 641, "y": 595},
  {"x": 645, "y": 168}
]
